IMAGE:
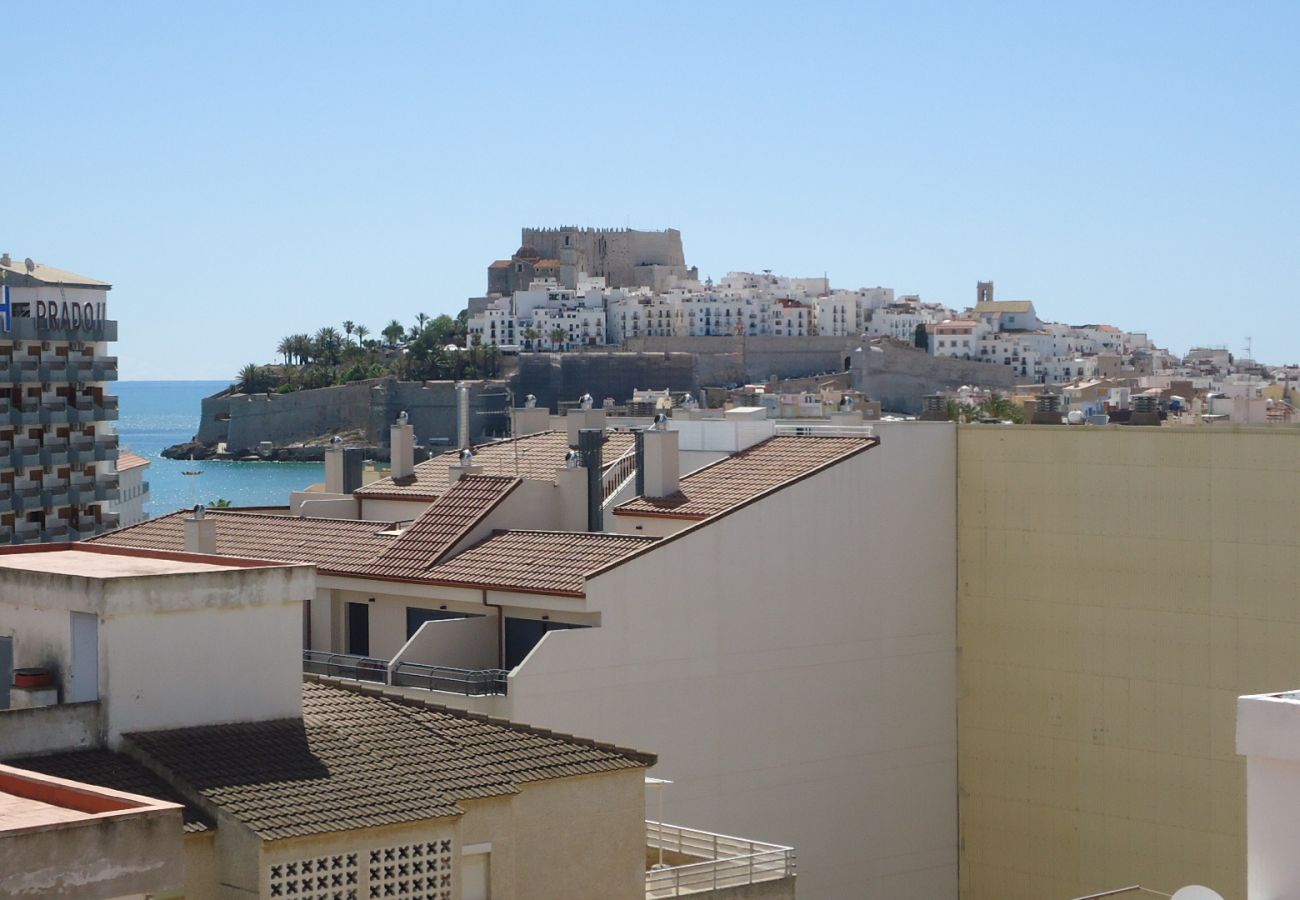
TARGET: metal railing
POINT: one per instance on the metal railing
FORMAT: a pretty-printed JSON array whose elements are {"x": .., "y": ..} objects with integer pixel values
[
  {"x": 470, "y": 682},
  {"x": 825, "y": 431},
  {"x": 448, "y": 679},
  {"x": 342, "y": 665},
  {"x": 727, "y": 861},
  {"x": 617, "y": 474}
]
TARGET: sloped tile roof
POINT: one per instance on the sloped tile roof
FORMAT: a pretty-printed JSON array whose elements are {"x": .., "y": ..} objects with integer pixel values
[
  {"x": 129, "y": 459},
  {"x": 118, "y": 772},
  {"x": 334, "y": 545},
  {"x": 358, "y": 759},
  {"x": 439, "y": 527},
  {"x": 546, "y": 562},
  {"x": 534, "y": 456},
  {"x": 747, "y": 475}
]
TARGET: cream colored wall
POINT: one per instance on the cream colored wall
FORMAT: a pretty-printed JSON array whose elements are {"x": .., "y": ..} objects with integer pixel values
[
  {"x": 1118, "y": 589},
  {"x": 564, "y": 839},
  {"x": 202, "y": 648},
  {"x": 822, "y": 710}
]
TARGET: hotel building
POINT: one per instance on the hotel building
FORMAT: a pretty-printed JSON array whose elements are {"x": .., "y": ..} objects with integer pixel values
[{"x": 58, "y": 450}]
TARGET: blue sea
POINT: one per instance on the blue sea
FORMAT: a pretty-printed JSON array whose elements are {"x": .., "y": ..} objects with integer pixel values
[{"x": 157, "y": 414}]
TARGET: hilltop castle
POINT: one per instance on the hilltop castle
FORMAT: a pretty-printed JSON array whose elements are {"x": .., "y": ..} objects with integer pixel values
[{"x": 624, "y": 257}]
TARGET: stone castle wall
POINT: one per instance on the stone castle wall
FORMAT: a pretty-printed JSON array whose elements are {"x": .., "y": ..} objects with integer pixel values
[
  {"x": 899, "y": 375},
  {"x": 555, "y": 377},
  {"x": 612, "y": 252},
  {"x": 369, "y": 407}
]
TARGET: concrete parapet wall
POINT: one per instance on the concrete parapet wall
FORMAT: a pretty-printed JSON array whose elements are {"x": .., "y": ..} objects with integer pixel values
[
  {"x": 725, "y": 360},
  {"x": 49, "y": 729}
]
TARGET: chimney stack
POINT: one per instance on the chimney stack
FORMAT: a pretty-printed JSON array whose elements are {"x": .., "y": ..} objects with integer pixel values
[
  {"x": 584, "y": 418},
  {"x": 462, "y": 415},
  {"x": 401, "y": 447},
  {"x": 590, "y": 441},
  {"x": 200, "y": 533},
  {"x": 659, "y": 457}
]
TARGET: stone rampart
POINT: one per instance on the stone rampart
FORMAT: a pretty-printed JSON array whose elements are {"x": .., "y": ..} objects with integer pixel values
[
  {"x": 553, "y": 377},
  {"x": 726, "y": 360},
  {"x": 243, "y": 421},
  {"x": 899, "y": 375}
]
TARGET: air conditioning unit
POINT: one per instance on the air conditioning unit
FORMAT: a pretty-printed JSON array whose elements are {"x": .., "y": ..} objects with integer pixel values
[{"x": 45, "y": 345}]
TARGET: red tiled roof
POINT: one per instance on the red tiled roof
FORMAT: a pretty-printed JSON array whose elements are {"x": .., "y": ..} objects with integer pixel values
[
  {"x": 439, "y": 527},
  {"x": 544, "y": 562},
  {"x": 129, "y": 459},
  {"x": 500, "y": 264},
  {"x": 535, "y": 456},
  {"x": 546, "y": 264},
  {"x": 359, "y": 758},
  {"x": 747, "y": 475},
  {"x": 332, "y": 544}
]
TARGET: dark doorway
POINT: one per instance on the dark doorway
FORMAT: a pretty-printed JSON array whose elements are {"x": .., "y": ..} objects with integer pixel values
[
  {"x": 416, "y": 616},
  {"x": 6, "y": 669},
  {"x": 359, "y": 629},
  {"x": 522, "y": 636}
]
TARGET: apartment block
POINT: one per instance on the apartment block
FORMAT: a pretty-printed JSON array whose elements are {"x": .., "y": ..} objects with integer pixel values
[{"x": 58, "y": 448}]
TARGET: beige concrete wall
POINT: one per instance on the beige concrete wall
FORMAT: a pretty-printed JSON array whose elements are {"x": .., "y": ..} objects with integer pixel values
[
  {"x": 1119, "y": 588},
  {"x": 822, "y": 710},
  {"x": 566, "y": 839}
]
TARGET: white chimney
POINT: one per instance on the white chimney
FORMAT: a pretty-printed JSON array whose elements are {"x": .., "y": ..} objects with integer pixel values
[
  {"x": 462, "y": 415},
  {"x": 662, "y": 467},
  {"x": 464, "y": 466},
  {"x": 200, "y": 533},
  {"x": 401, "y": 447},
  {"x": 334, "y": 467}
]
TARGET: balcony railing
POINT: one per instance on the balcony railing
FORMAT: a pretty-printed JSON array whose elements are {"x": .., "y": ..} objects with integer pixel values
[
  {"x": 726, "y": 862},
  {"x": 826, "y": 430},
  {"x": 468, "y": 682}
]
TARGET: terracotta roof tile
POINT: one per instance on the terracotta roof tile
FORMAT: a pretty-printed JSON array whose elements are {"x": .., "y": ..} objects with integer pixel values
[
  {"x": 358, "y": 758},
  {"x": 535, "y": 456},
  {"x": 439, "y": 527},
  {"x": 118, "y": 772},
  {"x": 332, "y": 544},
  {"x": 746, "y": 475},
  {"x": 129, "y": 459},
  {"x": 547, "y": 562}
]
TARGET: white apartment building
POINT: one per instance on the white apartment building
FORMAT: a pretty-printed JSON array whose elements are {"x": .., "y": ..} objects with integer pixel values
[
  {"x": 563, "y": 594},
  {"x": 178, "y": 749},
  {"x": 57, "y": 442},
  {"x": 132, "y": 489}
]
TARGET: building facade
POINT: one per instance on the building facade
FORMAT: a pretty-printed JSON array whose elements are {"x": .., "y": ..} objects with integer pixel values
[{"x": 58, "y": 478}]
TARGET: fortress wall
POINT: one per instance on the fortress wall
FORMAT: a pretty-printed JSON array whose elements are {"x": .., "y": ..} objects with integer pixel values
[
  {"x": 369, "y": 407},
  {"x": 728, "y": 360},
  {"x": 553, "y": 377},
  {"x": 300, "y": 416},
  {"x": 613, "y": 252},
  {"x": 900, "y": 376}
]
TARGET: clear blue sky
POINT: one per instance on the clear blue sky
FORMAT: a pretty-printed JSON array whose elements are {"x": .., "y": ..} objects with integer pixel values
[{"x": 244, "y": 172}]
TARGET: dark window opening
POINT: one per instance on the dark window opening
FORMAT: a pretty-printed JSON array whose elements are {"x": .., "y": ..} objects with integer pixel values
[
  {"x": 359, "y": 629},
  {"x": 522, "y": 636}
]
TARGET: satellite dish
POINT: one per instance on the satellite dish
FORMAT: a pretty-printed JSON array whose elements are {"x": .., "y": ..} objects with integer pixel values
[{"x": 1196, "y": 892}]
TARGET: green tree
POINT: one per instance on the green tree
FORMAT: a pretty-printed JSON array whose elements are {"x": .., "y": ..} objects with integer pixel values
[
  {"x": 219, "y": 503},
  {"x": 557, "y": 336},
  {"x": 348, "y": 327},
  {"x": 328, "y": 344},
  {"x": 253, "y": 379},
  {"x": 530, "y": 336},
  {"x": 393, "y": 332},
  {"x": 285, "y": 348},
  {"x": 362, "y": 332}
]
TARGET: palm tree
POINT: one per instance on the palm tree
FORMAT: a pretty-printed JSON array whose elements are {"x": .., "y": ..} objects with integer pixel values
[
  {"x": 285, "y": 348},
  {"x": 393, "y": 332},
  {"x": 302, "y": 348},
  {"x": 557, "y": 336},
  {"x": 252, "y": 379},
  {"x": 328, "y": 344},
  {"x": 219, "y": 503},
  {"x": 530, "y": 335},
  {"x": 348, "y": 327},
  {"x": 362, "y": 332},
  {"x": 420, "y": 320}
]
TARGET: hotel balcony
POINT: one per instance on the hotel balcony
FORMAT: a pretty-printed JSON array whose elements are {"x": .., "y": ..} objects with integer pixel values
[
  {"x": 686, "y": 862},
  {"x": 6, "y": 499},
  {"x": 21, "y": 370},
  {"x": 54, "y": 497},
  {"x": 105, "y": 447},
  {"x": 444, "y": 679},
  {"x": 25, "y": 455},
  {"x": 29, "y": 329},
  {"x": 25, "y": 414}
]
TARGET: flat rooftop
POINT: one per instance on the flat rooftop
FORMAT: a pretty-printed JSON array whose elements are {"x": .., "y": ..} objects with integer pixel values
[
  {"x": 102, "y": 561},
  {"x": 32, "y": 801}
]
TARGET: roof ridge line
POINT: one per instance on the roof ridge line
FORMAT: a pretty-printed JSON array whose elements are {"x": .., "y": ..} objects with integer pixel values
[{"x": 385, "y": 692}]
